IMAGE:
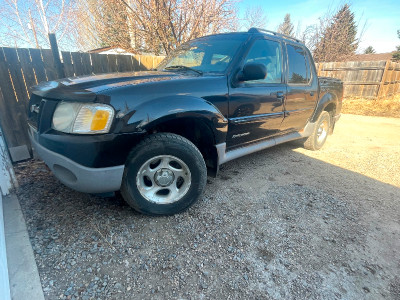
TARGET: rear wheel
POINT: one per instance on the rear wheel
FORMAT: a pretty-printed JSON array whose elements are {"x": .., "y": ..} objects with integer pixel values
[
  {"x": 164, "y": 175},
  {"x": 318, "y": 138}
]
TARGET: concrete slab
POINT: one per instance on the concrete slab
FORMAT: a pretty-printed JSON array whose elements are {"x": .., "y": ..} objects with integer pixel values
[
  {"x": 19, "y": 153},
  {"x": 22, "y": 269},
  {"x": 4, "y": 281}
]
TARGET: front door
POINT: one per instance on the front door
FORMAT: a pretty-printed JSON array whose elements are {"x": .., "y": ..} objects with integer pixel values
[{"x": 256, "y": 107}]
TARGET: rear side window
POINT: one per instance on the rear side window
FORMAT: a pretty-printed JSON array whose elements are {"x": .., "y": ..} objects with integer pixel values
[{"x": 299, "y": 70}]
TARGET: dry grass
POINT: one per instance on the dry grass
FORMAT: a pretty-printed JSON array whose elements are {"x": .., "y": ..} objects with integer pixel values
[{"x": 381, "y": 108}]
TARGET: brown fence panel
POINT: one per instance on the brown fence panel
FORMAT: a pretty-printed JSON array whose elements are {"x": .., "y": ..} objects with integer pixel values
[
  {"x": 67, "y": 62},
  {"x": 38, "y": 65},
  {"x": 364, "y": 79},
  {"x": 77, "y": 63},
  {"x": 9, "y": 122},
  {"x": 112, "y": 63},
  {"x": 13, "y": 112},
  {"x": 86, "y": 63},
  {"x": 49, "y": 64},
  {"x": 26, "y": 65},
  {"x": 124, "y": 63},
  {"x": 99, "y": 63}
]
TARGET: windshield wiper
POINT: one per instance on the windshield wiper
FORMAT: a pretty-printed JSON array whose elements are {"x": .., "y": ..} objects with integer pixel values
[{"x": 179, "y": 67}]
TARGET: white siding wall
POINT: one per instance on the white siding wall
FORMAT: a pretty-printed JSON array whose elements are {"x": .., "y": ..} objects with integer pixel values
[{"x": 6, "y": 170}]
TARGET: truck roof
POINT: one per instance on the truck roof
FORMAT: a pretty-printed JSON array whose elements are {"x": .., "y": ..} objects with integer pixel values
[{"x": 259, "y": 31}]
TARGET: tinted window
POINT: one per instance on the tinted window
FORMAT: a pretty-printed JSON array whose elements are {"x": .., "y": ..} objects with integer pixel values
[
  {"x": 268, "y": 53},
  {"x": 297, "y": 65}
]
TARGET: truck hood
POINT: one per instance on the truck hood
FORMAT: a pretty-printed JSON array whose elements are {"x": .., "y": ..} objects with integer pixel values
[{"x": 86, "y": 88}]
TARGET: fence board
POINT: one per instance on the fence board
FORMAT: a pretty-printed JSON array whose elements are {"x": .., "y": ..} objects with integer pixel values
[
  {"x": 124, "y": 63},
  {"x": 7, "y": 108},
  {"x": 12, "y": 88},
  {"x": 26, "y": 65},
  {"x": 112, "y": 63},
  {"x": 49, "y": 64},
  {"x": 67, "y": 61},
  {"x": 77, "y": 63},
  {"x": 86, "y": 64},
  {"x": 98, "y": 67},
  {"x": 38, "y": 65}
]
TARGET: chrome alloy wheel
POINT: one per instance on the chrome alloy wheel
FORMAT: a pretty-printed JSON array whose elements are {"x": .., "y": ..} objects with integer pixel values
[
  {"x": 322, "y": 131},
  {"x": 163, "y": 179}
]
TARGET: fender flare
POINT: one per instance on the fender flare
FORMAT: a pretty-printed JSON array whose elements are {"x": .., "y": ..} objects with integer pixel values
[
  {"x": 156, "y": 111},
  {"x": 327, "y": 99}
]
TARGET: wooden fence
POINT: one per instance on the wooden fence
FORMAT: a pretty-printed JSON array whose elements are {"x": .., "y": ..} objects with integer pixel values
[
  {"x": 365, "y": 79},
  {"x": 20, "y": 69}
]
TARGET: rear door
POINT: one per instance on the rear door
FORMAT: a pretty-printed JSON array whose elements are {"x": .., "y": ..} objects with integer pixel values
[
  {"x": 256, "y": 107},
  {"x": 302, "y": 89}
]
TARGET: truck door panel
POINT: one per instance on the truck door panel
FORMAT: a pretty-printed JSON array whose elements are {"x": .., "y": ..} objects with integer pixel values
[{"x": 256, "y": 107}]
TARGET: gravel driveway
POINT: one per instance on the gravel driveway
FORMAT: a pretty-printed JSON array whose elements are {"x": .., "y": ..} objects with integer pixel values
[{"x": 285, "y": 223}]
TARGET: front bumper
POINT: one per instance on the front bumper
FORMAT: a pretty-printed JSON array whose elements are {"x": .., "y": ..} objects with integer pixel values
[{"x": 76, "y": 176}]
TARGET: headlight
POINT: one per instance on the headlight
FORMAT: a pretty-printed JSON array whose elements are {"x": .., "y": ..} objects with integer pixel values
[{"x": 72, "y": 117}]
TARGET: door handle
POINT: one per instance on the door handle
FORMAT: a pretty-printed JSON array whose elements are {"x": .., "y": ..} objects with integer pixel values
[
  {"x": 280, "y": 95},
  {"x": 311, "y": 93}
]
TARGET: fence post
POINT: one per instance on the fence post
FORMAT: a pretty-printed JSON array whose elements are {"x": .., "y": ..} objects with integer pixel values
[
  {"x": 380, "y": 92},
  {"x": 56, "y": 55}
]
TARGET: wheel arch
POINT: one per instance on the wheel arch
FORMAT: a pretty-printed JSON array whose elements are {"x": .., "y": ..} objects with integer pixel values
[
  {"x": 193, "y": 118},
  {"x": 327, "y": 103}
]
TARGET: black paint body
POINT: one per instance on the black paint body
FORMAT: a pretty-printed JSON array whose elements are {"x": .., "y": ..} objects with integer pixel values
[{"x": 145, "y": 100}]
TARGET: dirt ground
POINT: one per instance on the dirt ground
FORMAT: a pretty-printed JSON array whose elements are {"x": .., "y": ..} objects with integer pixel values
[{"x": 284, "y": 223}]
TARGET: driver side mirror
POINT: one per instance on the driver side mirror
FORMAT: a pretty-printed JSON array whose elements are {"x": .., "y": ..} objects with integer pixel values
[{"x": 253, "y": 71}]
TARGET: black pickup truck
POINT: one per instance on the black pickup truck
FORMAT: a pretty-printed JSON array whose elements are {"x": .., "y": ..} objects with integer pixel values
[{"x": 154, "y": 135}]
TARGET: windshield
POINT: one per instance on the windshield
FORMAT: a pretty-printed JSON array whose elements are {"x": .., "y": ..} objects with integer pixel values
[{"x": 207, "y": 55}]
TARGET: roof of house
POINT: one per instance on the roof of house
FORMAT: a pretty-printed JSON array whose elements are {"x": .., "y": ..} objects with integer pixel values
[
  {"x": 371, "y": 57},
  {"x": 111, "y": 50}
]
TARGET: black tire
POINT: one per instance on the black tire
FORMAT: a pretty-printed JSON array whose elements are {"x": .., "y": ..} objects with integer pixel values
[
  {"x": 322, "y": 128},
  {"x": 170, "y": 149}
]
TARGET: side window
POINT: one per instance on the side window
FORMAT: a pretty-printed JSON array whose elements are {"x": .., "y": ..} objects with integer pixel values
[
  {"x": 299, "y": 70},
  {"x": 268, "y": 53}
]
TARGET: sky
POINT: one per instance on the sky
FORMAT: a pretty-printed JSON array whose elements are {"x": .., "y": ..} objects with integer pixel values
[{"x": 382, "y": 17}]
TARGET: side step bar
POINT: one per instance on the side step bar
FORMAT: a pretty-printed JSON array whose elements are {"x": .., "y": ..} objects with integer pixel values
[{"x": 224, "y": 156}]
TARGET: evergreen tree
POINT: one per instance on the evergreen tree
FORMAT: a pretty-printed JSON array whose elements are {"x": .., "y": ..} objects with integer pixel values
[
  {"x": 369, "y": 50},
  {"x": 338, "y": 40},
  {"x": 396, "y": 55},
  {"x": 286, "y": 27}
]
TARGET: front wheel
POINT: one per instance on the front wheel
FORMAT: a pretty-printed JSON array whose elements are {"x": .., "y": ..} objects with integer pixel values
[
  {"x": 318, "y": 138},
  {"x": 164, "y": 175}
]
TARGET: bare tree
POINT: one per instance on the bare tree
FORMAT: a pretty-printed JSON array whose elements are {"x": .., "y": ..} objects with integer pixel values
[
  {"x": 29, "y": 22},
  {"x": 156, "y": 26},
  {"x": 255, "y": 17},
  {"x": 101, "y": 23}
]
